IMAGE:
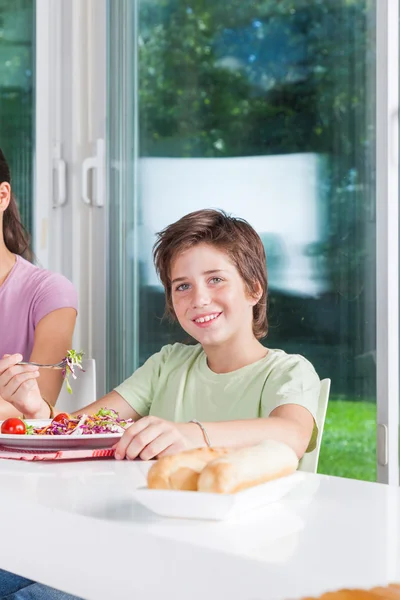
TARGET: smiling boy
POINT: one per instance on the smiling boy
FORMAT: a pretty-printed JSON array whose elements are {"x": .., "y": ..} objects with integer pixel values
[{"x": 228, "y": 389}]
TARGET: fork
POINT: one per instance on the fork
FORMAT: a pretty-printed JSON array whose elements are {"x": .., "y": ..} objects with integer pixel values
[{"x": 59, "y": 365}]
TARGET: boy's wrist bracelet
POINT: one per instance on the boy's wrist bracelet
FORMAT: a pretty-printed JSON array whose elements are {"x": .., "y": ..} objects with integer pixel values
[{"x": 203, "y": 429}]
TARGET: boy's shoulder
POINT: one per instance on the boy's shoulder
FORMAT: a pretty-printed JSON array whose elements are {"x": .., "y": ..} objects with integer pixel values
[
  {"x": 280, "y": 357},
  {"x": 281, "y": 363},
  {"x": 180, "y": 353}
]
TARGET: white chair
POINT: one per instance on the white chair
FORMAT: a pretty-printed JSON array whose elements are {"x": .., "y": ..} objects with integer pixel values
[
  {"x": 83, "y": 389},
  {"x": 309, "y": 462}
]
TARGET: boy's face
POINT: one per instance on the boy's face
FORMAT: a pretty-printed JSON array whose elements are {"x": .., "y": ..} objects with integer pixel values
[{"x": 209, "y": 296}]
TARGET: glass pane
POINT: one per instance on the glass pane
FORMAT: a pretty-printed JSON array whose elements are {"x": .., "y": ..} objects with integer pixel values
[
  {"x": 17, "y": 26},
  {"x": 266, "y": 110}
]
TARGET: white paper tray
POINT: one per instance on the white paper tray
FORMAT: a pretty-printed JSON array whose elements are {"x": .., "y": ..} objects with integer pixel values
[{"x": 217, "y": 507}]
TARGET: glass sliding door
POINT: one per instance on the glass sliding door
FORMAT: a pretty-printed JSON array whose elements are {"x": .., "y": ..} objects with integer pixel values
[
  {"x": 266, "y": 110},
  {"x": 17, "y": 52}
]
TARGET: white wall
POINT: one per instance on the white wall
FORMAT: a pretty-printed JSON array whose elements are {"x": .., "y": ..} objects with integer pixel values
[{"x": 278, "y": 195}]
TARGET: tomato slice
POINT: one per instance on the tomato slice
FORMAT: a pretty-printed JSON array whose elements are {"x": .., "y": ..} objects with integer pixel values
[
  {"x": 61, "y": 417},
  {"x": 13, "y": 426}
]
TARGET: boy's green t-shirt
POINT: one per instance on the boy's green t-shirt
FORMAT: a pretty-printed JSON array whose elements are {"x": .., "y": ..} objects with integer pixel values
[{"x": 176, "y": 384}]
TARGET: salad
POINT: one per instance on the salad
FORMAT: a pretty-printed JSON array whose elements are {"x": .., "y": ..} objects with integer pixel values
[
  {"x": 106, "y": 420},
  {"x": 72, "y": 360}
]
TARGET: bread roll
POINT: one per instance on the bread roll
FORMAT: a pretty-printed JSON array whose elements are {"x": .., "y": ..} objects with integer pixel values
[
  {"x": 391, "y": 592},
  {"x": 247, "y": 467},
  {"x": 181, "y": 471}
]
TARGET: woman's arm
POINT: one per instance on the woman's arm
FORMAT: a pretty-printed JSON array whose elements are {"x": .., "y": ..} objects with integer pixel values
[
  {"x": 6, "y": 410},
  {"x": 53, "y": 338},
  {"x": 21, "y": 394}
]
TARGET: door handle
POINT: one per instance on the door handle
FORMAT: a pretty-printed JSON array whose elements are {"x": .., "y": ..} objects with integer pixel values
[
  {"x": 60, "y": 169},
  {"x": 94, "y": 163},
  {"x": 382, "y": 444},
  {"x": 59, "y": 176}
]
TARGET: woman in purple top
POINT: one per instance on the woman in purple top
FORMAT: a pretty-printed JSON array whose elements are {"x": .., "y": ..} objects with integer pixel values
[{"x": 37, "y": 307}]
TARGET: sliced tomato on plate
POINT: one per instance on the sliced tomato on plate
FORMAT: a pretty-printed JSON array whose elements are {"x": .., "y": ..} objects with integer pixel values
[{"x": 61, "y": 417}]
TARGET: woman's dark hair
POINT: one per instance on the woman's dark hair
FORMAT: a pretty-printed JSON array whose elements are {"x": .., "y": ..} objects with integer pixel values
[{"x": 16, "y": 238}]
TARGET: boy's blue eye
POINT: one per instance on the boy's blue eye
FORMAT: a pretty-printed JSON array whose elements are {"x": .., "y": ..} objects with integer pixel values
[{"x": 182, "y": 288}]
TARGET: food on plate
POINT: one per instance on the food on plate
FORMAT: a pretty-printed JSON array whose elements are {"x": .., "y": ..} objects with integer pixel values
[
  {"x": 223, "y": 470},
  {"x": 104, "y": 421},
  {"x": 390, "y": 592},
  {"x": 247, "y": 467},
  {"x": 181, "y": 471},
  {"x": 73, "y": 359},
  {"x": 13, "y": 426},
  {"x": 61, "y": 417}
]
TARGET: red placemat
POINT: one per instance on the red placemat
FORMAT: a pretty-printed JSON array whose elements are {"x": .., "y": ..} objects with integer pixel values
[{"x": 18, "y": 454}]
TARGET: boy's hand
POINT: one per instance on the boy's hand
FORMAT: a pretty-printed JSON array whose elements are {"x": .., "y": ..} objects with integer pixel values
[
  {"x": 19, "y": 387},
  {"x": 151, "y": 437}
]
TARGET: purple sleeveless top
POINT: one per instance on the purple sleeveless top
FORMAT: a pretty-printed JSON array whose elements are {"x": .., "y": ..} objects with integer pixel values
[{"x": 27, "y": 295}]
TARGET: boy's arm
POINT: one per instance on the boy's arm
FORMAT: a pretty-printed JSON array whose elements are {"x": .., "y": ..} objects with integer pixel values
[
  {"x": 111, "y": 400},
  {"x": 288, "y": 407},
  {"x": 151, "y": 437},
  {"x": 290, "y": 423}
]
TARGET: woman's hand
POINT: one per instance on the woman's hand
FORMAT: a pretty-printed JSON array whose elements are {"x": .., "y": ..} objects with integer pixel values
[
  {"x": 18, "y": 386},
  {"x": 151, "y": 437}
]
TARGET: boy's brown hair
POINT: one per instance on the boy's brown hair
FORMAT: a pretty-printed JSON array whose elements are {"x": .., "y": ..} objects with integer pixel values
[{"x": 230, "y": 234}]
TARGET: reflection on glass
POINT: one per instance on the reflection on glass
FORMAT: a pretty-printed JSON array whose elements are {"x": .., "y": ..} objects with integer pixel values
[
  {"x": 16, "y": 97},
  {"x": 266, "y": 110}
]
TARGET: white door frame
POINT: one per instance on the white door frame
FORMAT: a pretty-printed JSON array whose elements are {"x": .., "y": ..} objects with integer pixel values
[
  {"x": 70, "y": 234},
  {"x": 387, "y": 236}
]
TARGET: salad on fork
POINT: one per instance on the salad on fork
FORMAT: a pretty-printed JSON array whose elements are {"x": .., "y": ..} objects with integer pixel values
[
  {"x": 67, "y": 365},
  {"x": 72, "y": 360}
]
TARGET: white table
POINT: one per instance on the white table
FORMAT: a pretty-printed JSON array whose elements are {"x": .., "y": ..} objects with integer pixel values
[{"x": 76, "y": 527}]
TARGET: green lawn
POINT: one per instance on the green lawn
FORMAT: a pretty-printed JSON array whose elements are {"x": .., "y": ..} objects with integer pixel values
[{"x": 348, "y": 444}]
